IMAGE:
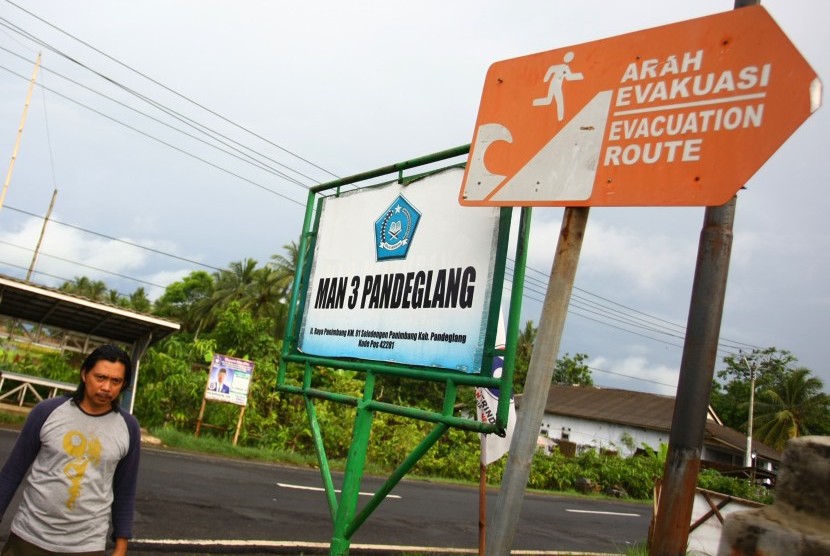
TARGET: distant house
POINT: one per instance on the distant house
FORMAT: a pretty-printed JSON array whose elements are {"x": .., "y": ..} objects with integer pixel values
[{"x": 612, "y": 419}]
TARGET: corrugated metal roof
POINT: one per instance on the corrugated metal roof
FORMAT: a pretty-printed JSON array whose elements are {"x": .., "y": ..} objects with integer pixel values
[
  {"x": 624, "y": 407},
  {"x": 637, "y": 409},
  {"x": 51, "y": 307}
]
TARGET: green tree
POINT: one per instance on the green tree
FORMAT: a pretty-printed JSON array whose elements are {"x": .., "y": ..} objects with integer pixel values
[
  {"x": 234, "y": 284},
  {"x": 96, "y": 290},
  {"x": 573, "y": 370},
  {"x": 792, "y": 406},
  {"x": 781, "y": 388},
  {"x": 172, "y": 382},
  {"x": 285, "y": 267},
  {"x": 114, "y": 298},
  {"x": 568, "y": 370},
  {"x": 731, "y": 389},
  {"x": 265, "y": 299},
  {"x": 139, "y": 301},
  {"x": 186, "y": 300},
  {"x": 239, "y": 334},
  {"x": 524, "y": 349}
]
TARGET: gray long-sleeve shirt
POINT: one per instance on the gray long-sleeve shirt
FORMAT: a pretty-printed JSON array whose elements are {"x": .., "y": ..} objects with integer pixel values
[{"x": 84, "y": 469}]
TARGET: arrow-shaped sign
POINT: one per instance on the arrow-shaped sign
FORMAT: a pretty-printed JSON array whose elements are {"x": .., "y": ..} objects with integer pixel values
[{"x": 682, "y": 114}]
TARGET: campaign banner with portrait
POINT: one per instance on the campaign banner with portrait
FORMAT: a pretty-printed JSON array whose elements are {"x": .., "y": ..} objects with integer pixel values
[
  {"x": 402, "y": 274},
  {"x": 229, "y": 379}
]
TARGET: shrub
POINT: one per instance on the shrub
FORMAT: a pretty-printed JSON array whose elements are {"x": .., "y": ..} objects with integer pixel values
[{"x": 710, "y": 479}]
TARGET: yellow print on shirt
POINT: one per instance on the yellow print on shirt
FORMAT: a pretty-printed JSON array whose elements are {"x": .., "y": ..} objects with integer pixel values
[{"x": 83, "y": 451}]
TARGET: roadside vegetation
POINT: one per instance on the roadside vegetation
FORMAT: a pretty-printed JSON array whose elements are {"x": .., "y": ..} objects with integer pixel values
[
  {"x": 241, "y": 312},
  {"x": 275, "y": 427}
]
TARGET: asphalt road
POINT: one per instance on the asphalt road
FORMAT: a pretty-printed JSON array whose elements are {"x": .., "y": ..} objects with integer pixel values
[{"x": 195, "y": 504}]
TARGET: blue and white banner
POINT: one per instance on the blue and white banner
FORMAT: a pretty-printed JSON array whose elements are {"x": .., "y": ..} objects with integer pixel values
[
  {"x": 402, "y": 274},
  {"x": 493, "y": 446}
]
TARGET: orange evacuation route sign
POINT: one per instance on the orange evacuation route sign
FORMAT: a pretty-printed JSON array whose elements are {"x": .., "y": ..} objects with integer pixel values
[{"x": 679, "y": 115}]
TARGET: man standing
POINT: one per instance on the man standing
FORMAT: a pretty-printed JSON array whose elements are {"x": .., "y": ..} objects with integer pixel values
[{"x": 83, "y": 451}]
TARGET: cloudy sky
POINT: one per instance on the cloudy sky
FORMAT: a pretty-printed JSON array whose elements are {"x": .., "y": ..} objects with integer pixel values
[{"x": 181, "y": 135}]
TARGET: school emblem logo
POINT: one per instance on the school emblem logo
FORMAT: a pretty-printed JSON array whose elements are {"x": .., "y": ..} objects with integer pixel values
[{"x": 395, "y": 229}]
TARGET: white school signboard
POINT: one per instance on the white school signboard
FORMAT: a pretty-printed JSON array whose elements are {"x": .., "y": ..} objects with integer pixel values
[
  {"x": 680, "y": 115},
  {"x": 402, "y": 274}
]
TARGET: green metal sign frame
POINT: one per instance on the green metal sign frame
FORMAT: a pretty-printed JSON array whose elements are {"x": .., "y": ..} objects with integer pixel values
[{"x": 344, "y": 511}]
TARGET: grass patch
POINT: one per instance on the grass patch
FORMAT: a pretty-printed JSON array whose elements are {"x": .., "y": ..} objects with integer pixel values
[
  {"x": 9, "y": 418},
  {"x": 209, "y": 444},
  {"x": 637, "y": 550}
]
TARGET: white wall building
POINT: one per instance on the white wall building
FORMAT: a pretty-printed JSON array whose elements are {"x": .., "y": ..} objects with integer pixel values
[{"x": 623, "y": 421}]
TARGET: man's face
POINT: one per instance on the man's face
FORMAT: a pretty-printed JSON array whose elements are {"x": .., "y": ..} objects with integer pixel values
[
  {"x": 102, "y": 384},
  {"x": 221, "y": 377}
]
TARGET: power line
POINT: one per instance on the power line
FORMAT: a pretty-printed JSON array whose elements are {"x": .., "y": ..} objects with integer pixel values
[
  {"x": 223, "y": 118},
  {"x": 248, "y": 159},
  {"x": 124, "y": 241},
  {"x": 590, "y": 306},
  {"x": 167, "y": 111},
  {"x": 623, "y": 323},
  {"x": 56, "y": 277},
  {"x": 170, "y": 145},
  {"x": 212, "y": 134},
  {"x": 632, "y": 377},
  {"x": 650, "y": 322},
  {"x": 583, "y": 305},
  {"x": 44, "y": 254}
]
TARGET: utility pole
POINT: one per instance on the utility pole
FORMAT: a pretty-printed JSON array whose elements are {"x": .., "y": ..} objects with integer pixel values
[
  {"x": 40, "y": 239},
  {"x": 748, "y": 462},
  {"x": 19, "y": 132}
]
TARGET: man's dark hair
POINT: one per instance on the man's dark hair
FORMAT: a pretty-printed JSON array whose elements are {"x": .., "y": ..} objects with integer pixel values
[{"x": 107, "y": 352}]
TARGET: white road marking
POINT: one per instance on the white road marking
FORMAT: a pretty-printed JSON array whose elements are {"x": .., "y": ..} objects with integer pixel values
[
  {"x": 205, "y": 543},
  {"x": 602, "y": 513},
  {"x": 321, "y": 489}
]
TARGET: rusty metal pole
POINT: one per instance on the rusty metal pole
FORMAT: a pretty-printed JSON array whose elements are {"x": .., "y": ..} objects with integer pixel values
[
  {"x": 670, "y": 534},
  {"x": 537, "y": 384},
  {"x": 674, "y": 511}
]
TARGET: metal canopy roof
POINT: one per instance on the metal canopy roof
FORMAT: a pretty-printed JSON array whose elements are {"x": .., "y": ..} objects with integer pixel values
[{"x": 53, "y": 308}]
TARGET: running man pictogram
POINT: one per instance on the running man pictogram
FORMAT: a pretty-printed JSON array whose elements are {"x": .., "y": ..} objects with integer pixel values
[{"x": 556, "y": 75}]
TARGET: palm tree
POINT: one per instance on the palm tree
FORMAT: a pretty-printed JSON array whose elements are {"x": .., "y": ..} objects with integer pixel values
[
  {"x": 286, "y": 267},
  {"x": 285, "y": 272},
  {"x": 139, "y": 301},
  {"x": 236, "y": 283},
  {"x": 786, "y": 408},
  {"x": 114, "y": 298},
  {"x": 94, "y": 290},
  {"x": 265, "y": 298},
  {"x": 524, "y": 348}
]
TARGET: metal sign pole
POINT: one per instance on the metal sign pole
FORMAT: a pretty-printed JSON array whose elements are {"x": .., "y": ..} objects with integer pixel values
[
  {"x": 537, "y": 385},
  {"x": 355, "y": 464},
  {"x": 674, "y": 511}
]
